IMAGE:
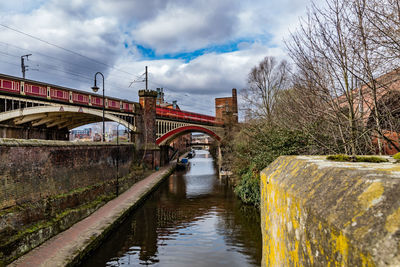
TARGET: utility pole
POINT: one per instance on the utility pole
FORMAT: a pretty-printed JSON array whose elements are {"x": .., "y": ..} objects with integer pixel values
[
  {"x": 140, "y": 80},
  {"x": 146, "y": 78},
  {"x": 23, "y": 66}
]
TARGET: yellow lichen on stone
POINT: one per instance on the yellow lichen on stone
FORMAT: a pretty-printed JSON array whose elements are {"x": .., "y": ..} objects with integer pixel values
[
  {"x": 294, "y": 255},
  {"x": 367, "y": 261},
  {"x": 309, "y": 252},
  {"x": 371, "y": 194},
  {"x": 298, "y": 231},
  {"x": 340, "y": 245},
  {"x": 393, "y": 222}
]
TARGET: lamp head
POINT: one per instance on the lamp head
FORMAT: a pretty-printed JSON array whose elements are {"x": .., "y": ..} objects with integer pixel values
[{"x": 95, "y": 88}]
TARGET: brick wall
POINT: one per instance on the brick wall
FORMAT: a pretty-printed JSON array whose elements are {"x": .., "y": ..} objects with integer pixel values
[
  {"x": 47, "y": 186},
  {"x": 31, "y": 170}
]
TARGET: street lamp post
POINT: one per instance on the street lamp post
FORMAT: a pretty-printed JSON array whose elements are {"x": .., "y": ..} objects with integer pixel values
[
  {"x": 117, "y": 184},
  {"x": 95, "y": 88}
]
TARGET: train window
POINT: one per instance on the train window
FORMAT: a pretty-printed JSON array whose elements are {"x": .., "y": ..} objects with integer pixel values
[
  {"x": 48, "y": 92},
  {"x": 22, "y": 88},
  {"x": 70, "y": 96}
]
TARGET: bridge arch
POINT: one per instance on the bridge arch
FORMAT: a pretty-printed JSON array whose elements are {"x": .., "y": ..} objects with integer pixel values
[
  {"x": 61, "y": 116},
  {"x": 171, "y": 135}
]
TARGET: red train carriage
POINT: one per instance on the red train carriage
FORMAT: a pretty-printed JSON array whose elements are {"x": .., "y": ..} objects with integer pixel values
[
  {"x": 128, "y": 107},
  {"x": 96, "y": 101},
  {"x": 113, "y": 104},
  {"x": 184, "y": 115},
  {"x": 9, "y": 86},
  {"x": 35, "y": 90},
  {"x": 59, "y": 94},
  {"x": 80, "y": 98}
]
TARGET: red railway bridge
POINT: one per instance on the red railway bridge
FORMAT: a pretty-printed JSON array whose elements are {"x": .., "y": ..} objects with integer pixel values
[{"x": 36, "y": 110}]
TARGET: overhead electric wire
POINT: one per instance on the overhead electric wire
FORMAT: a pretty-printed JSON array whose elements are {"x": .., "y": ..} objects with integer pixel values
[
  {"x": 54, "y": 68},
  {"x": 59, "y": 59},
  {"x": 62, "y": 75},
  {"x": 7, "y": 54},
  {"x": 51, "y": 70},
  {"x": 10, "y": 63},
  {"x": 62, "y": 48}
]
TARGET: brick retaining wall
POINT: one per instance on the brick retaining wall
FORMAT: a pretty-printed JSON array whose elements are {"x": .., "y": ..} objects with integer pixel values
[{"x": 31, "y": 170}]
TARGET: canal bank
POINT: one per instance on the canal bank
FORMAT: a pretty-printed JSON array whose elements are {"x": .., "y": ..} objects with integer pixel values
[{"x": 67, "y": 248}]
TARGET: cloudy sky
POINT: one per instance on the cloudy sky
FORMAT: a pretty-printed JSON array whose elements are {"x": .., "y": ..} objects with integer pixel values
[{"x": 196, "y": 50}]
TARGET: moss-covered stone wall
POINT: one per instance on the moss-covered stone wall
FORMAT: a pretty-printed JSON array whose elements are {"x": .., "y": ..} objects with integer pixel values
[
  {"x": 46, "y": 186},
  {"x": 320, "y": 213},
  {"x": 31, "y": 170}
]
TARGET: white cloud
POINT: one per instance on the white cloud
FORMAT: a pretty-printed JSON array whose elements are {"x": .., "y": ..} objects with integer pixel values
[
  {"x": 195, "y": 84},
  {"x": 181, "y": 28},
  {"x": 99, "y": 30}
]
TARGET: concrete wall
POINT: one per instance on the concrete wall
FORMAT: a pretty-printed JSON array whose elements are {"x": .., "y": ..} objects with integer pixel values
[
  {"x": 320, "y": 213},
  {"x": 46, "y": 186}
]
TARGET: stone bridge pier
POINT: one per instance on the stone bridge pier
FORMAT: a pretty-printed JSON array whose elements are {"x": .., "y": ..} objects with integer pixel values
[{"x": 146, "y": 142}]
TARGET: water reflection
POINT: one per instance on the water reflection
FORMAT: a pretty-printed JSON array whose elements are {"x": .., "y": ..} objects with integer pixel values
[{"x": 193, "y": 219}]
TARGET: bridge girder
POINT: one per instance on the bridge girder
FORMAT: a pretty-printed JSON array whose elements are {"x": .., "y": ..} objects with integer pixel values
[{"x": 61, "y": 115}]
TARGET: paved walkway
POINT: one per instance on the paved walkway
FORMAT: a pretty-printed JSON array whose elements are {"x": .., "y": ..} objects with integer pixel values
[{"x": 66, "y": 246}]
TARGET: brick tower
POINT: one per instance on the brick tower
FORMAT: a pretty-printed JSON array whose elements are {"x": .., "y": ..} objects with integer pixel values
[
  {"x": 226, "y": 108},
  {"x": 148, "y": 146}
]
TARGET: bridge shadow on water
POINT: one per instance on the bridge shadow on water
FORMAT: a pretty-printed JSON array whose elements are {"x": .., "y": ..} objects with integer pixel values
[{"x": 193, "y": 219}]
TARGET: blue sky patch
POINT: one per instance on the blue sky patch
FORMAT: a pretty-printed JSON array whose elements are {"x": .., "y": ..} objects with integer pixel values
[{"x": 150, "y": 54}]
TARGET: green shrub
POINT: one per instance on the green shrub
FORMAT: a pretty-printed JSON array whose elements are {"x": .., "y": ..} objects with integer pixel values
[
  {"x": 248, "y": 189},
  {"x": 397, "y": 157},
  {"x": 254, "y": 148},
  {"x": 346, "y": 158}
]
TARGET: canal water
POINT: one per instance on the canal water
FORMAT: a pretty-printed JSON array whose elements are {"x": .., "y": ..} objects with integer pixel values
[{"x": 193, "y": 219}]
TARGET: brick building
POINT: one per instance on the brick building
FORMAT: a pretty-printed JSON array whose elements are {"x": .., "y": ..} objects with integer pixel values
[{"x": 226, "y": 108}]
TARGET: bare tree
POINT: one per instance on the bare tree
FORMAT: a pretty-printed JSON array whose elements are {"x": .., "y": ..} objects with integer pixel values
[
  {"x": 341, "y": 92},
  {"x": 264, "y": 83},
  {"x": 383, "y": 19},
  {"x": 322, "y": 53}
]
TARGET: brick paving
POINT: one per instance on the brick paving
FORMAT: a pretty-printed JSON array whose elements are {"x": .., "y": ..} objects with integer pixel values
[{"x": 63, "y": 248}]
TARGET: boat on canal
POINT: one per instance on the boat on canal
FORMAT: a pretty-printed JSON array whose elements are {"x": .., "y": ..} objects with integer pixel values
[{"x": 183, "y": 164}]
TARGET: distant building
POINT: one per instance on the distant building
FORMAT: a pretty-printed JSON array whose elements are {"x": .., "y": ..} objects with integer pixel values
[
  {"x": 226, "y": 108},
  {"x": 201, "y": 138},
  {"x": 201, "y": 141},
  {"x": 160, "y": 101},
  {"x": 81, "y": 134},
  {"x": 160, "y": 96}
]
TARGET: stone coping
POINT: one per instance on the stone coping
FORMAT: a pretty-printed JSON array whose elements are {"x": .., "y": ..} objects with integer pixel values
[
  {"x": 391, "y": 166},
  {"x": 342, "y": 212},
  {"x": 40, "y": 142}
]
